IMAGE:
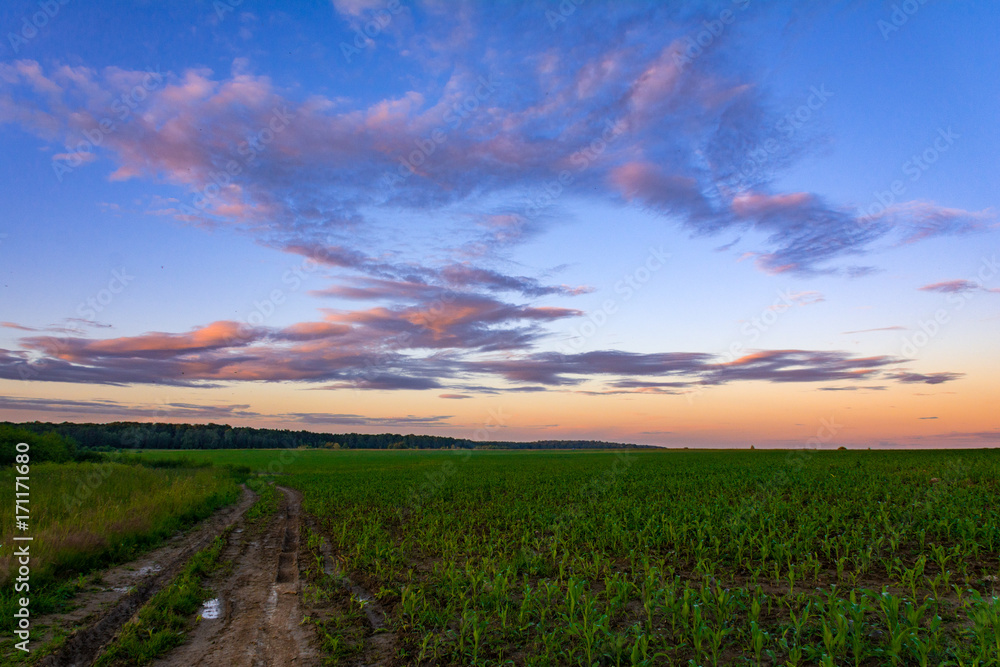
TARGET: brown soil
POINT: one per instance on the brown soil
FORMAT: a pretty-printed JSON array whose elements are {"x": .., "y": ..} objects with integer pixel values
[
  {"x": 120, "y": 591},
  {"x": 261, "y": 619}
]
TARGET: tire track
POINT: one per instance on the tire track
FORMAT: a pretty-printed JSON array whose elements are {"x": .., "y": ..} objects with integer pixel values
[
  {"x": 159, "y": 567},
  {"x": 380, "y": 643},
  {"x": 260, "y": 623}
]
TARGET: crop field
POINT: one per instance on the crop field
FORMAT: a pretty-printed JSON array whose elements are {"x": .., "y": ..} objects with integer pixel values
[{"x": 649, "y": 558}]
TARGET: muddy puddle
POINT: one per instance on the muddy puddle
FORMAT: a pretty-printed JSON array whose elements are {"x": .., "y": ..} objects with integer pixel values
[{"x": 211, "y": 609}]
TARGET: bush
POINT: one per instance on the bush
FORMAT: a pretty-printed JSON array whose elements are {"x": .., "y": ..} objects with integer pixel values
[{"x": 44, "y": 447}]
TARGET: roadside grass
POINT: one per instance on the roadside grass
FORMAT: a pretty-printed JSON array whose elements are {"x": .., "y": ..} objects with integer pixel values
[
  {"x": 163, "y": 622},
  {"x": 264, "y": 507},
  {"x": 88, "y": 516}
]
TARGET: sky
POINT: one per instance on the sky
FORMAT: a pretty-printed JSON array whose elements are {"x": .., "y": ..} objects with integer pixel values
[{"x": 703, "y": 224}]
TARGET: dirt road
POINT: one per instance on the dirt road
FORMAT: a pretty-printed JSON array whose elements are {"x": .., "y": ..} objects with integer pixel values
[
  {"x": 255, "y": 620},
  {"x": 122, "y": 590},
  {"x": 259, "y": 610}
]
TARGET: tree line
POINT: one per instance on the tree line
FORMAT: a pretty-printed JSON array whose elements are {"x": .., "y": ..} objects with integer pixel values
[{"x": 141, "y": 435}]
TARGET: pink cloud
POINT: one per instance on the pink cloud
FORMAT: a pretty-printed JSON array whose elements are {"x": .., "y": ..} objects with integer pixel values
[
  {"x": 753, "y": 203},
  {"x": 665, "y": 192}
]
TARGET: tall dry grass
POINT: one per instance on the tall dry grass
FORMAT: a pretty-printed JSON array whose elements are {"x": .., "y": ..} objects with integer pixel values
[{"x": 84, "y": 515}]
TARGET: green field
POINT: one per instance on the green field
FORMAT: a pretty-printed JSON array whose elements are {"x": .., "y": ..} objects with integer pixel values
[{"x": 658, "y": 558}]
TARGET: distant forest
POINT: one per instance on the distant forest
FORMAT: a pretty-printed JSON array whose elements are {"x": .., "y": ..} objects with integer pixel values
[{"x": 138, "y": 435}]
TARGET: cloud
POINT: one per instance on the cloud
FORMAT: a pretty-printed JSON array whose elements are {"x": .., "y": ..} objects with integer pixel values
[
  {"x": 338, "y": 181},
  {"x": 454, "y": 396},
  {"x": 727, "y": 246},
  {"x": 463, "y": 275},
  {"x": 192, "y": 412},
  {"x": 920, "y": 220},
  {"x": 218, "y": 335},
  {"x": 88, "y": 323},
  {"x": 356, "y": 8},
  {"x": 806, "y": 298},
  {"x": 858, "y": 388},
  {"x": 387, "y": 382},
  {"x": 892, "y": 328},
  {"x": 333, "y": 165},
  {"x": 108, "y": 408},
  {"x": 930, "y": 378},
  {"x": 679, "y": 370},
  {"x": 553, "y": 368},
  {"x": 973, "y": 435},
  {"x": 804, "y": 230},
  {"x": 437, "y": 284},
  {"x": 455, "y": 321},
  {"x": 322, "y": 418},
  {"x": 799, "y": 366},
  {"x": 957, "y": 287},
  {"x": 670, "y": 194},
  {"x": 418, "y": 349},
  {"x": 79, "y": 157}
]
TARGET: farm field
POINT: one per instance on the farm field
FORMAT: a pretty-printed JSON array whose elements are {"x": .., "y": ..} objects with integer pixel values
[
  {"x": 648, "y": 558},
  {"x": 462, "y": 557}
]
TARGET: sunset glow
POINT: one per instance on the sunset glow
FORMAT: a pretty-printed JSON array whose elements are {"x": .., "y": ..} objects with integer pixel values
[{"x": 712, "y": 224}]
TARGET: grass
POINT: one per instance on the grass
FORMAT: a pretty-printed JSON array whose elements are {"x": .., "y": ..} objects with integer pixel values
[
  {"x": 163, "y": 621},
  {"x": 86, "y": 516},
  {"x": 264, "y": 507}
]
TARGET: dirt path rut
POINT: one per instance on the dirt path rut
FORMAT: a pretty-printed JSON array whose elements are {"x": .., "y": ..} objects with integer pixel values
[
  {"x": 101, "y": 611},
  {"x": 259, "y": 620}
]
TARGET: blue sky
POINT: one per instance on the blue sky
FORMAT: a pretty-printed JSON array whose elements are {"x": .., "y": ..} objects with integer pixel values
[{"x": 713, "y": 225}]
